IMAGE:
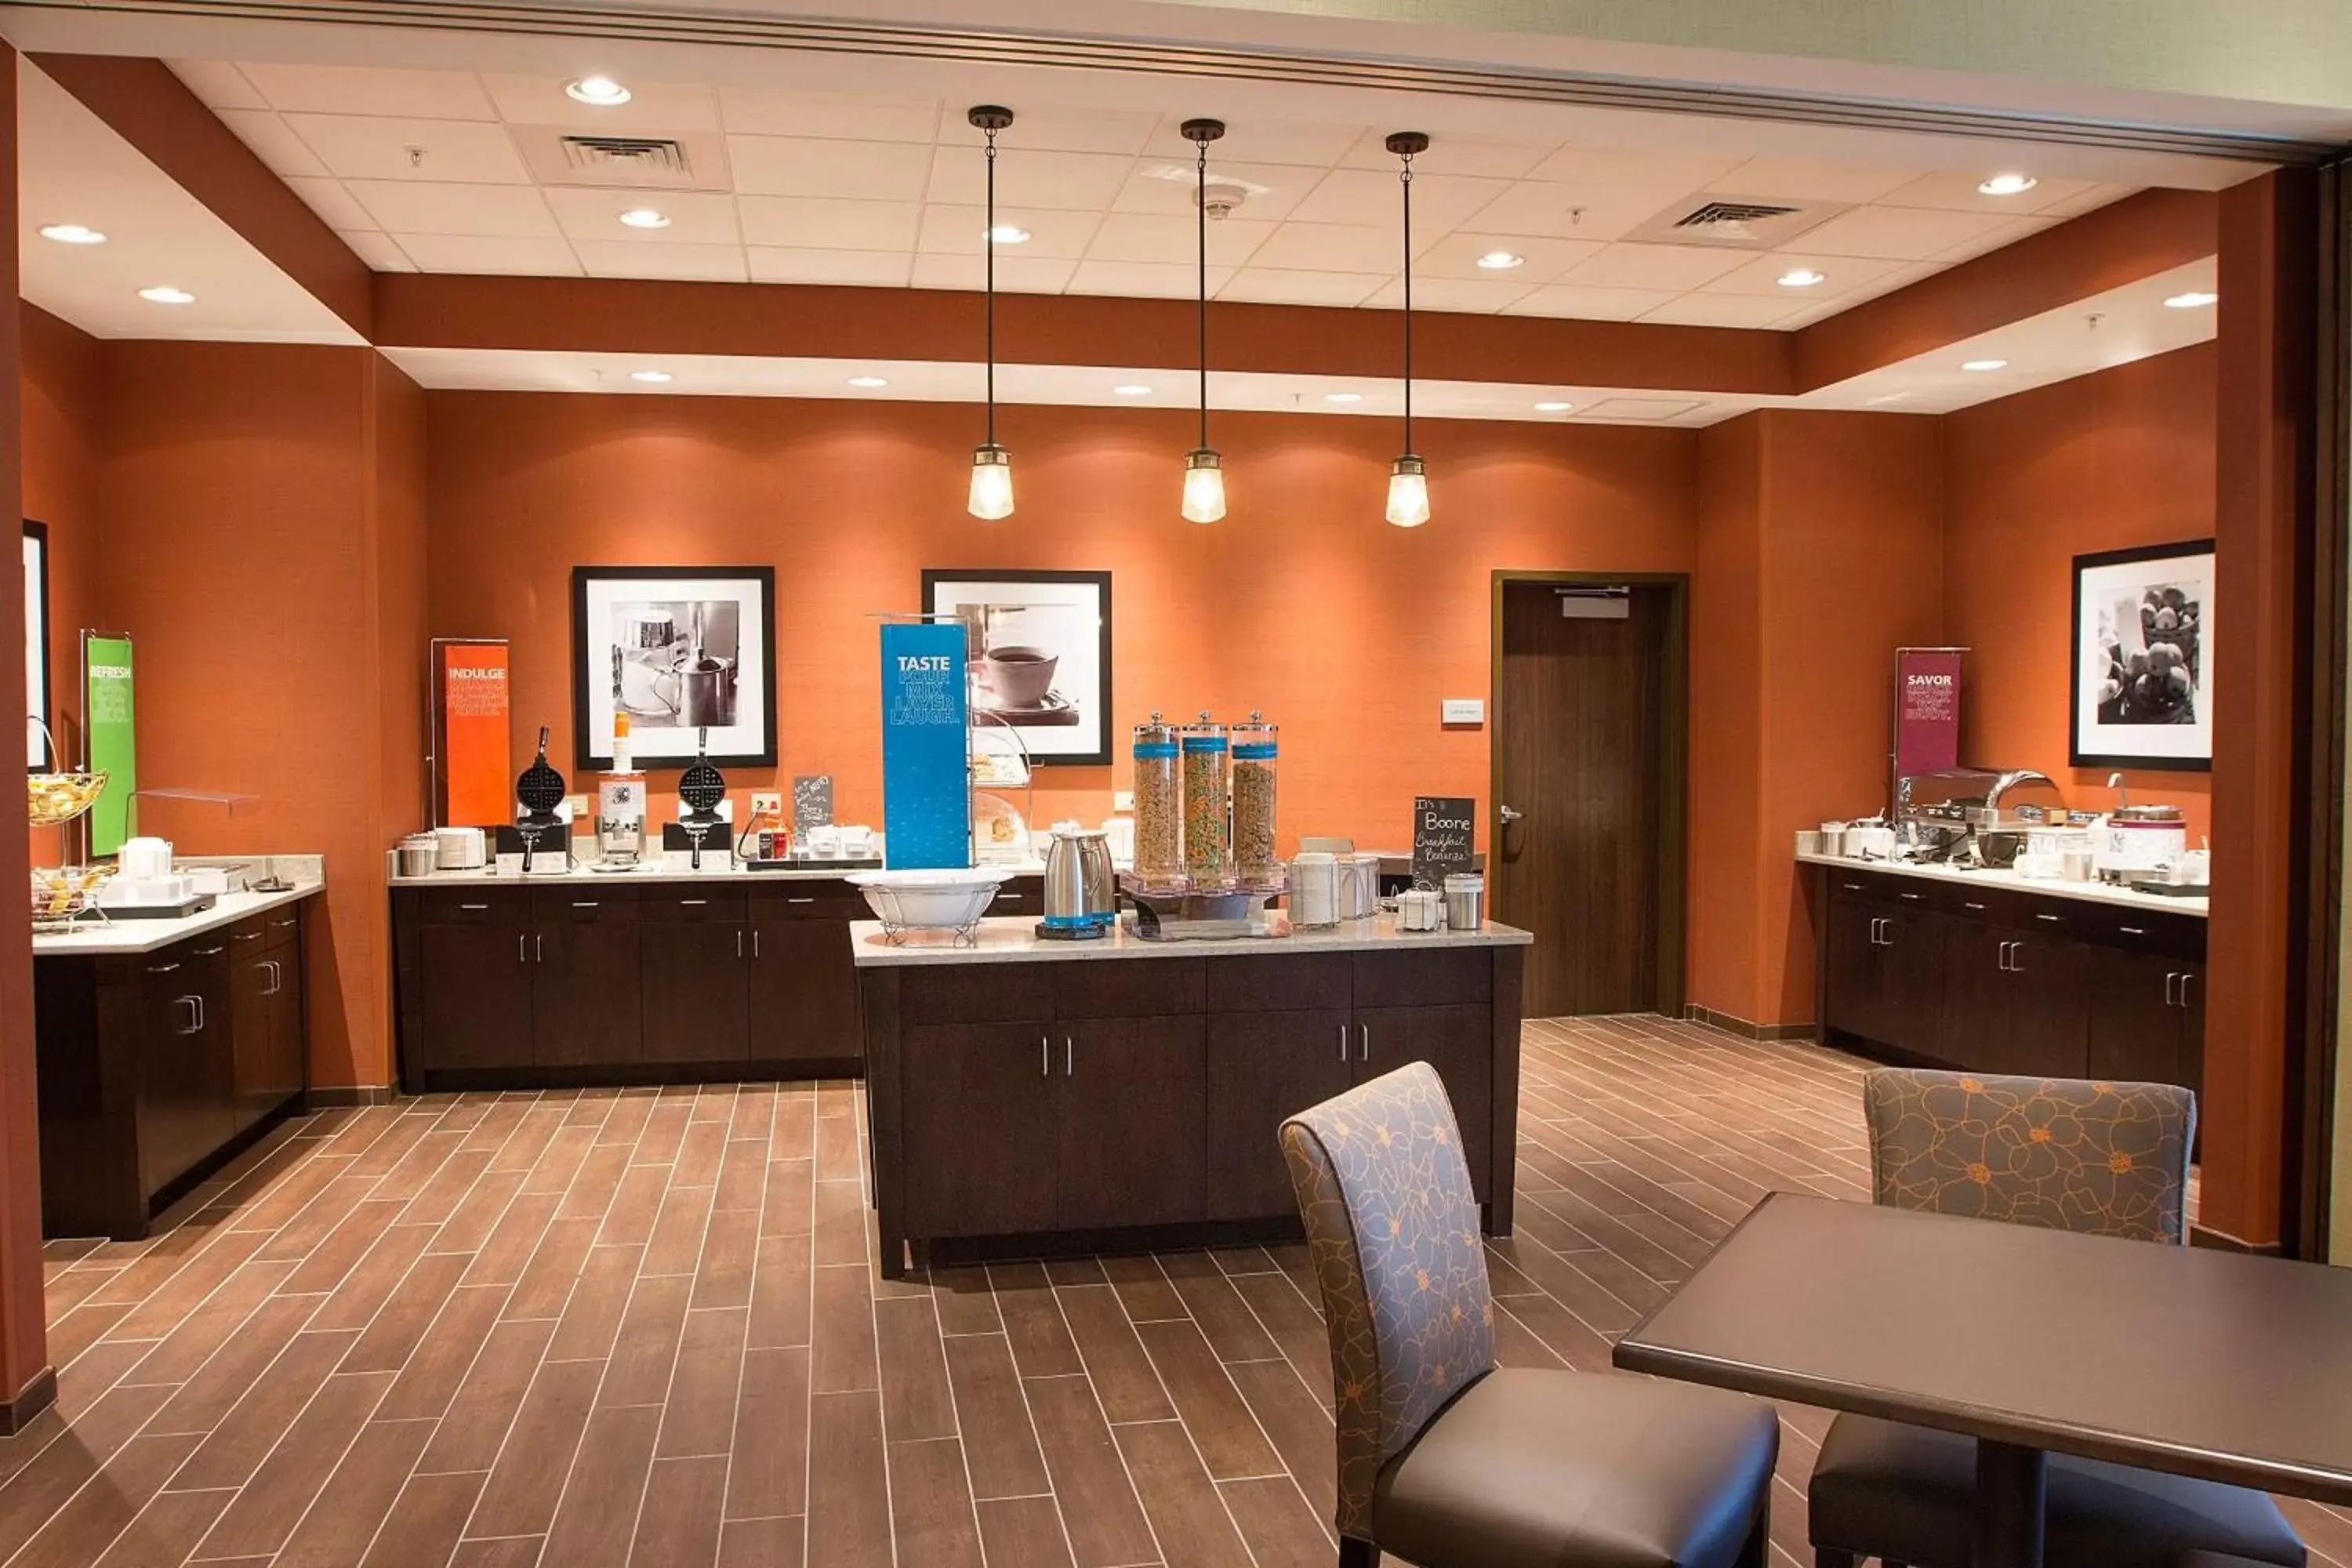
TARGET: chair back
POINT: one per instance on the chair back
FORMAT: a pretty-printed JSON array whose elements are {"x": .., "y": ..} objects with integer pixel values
[
  {"x": 2101, "y": 1159},
  {"x": 1392, "y": 1226}
]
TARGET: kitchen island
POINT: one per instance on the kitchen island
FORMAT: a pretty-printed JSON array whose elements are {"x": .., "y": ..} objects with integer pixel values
[{"x": 1035, "y": 1098}]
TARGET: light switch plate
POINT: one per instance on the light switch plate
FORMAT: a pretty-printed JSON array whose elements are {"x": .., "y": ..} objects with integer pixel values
[
  {"x": 1462, "y": 710},
  {"x": 1122, "y": 800},
  {"x": 578, "y": 805},
  {"x": 767, "y": 802}
]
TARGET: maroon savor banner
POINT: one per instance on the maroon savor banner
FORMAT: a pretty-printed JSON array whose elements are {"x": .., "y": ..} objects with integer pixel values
[{"x": 1926, "y": 709}]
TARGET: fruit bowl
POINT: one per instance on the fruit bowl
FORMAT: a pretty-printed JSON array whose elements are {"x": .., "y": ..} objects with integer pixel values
[
  {"x": 930, "y": 900},
  {"x": 54, "y": 799},
  {"x": 63, "y": 894}
]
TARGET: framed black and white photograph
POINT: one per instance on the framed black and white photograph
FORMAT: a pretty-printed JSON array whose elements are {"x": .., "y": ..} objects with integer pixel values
[
  {"x": 37, "y": 645},
  {"x": 1040, "y": 656},
  {"x": 2143, "y": 687},
  {"x": 678, "y": 649}
]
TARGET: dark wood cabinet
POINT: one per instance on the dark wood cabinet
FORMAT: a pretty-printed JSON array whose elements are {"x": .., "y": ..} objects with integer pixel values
[
  {"x": 804, "y": 992},
  {"x": 586, "y": 995},
  {"x": 695, "y": 980},
  {"x": 1972, "y": 1005},
  {"x": 477, "y": 994},
  {"x": 285, "y": 1071},
  {"x": 1455, "y": 1039},
  {"x": 2146, "y": 1018},
  {"x": 1855, "y": 997},
  {"x": 1130, "y": 1124},
  {"x": 186, "y": 1055},
  {"x": 2048, "y": 1011},
  {"x": 1260, "y": 1068},
  {"x": 988, "y": 1091}
]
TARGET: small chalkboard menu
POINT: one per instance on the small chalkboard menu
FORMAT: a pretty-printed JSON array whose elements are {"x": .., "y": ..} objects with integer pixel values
[
  {"x": 812, "y": 803},
  {"x": 1444, "y": 831}
]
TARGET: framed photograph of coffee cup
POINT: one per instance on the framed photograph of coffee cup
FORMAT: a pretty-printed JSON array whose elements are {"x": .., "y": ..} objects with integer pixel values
[
  {"x": 679, "y": 650},
  {"x": 2143, "y": 678},
  {"x": 1039, "y": 654}
]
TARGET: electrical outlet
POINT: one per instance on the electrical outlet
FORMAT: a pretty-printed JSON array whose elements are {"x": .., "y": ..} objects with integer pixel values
[
  {"x": 767, "y": 801},
  {"x": 577, "y": 804},
  {"x": 1122, "y": 800}
]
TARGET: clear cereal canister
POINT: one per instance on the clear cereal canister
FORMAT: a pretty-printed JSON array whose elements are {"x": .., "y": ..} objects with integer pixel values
[
  {"x": 1158, "y": 806},
  {"x": 1208, "y": 838},
  {"x": 1254, "y": 759}
]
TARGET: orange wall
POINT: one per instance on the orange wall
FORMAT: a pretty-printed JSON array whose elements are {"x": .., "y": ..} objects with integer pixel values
[
  {"x": 2102, "y": 462},
  {"x": 1303, "y": 602},
  {"x": 62, "y": 402},
  {"x": 1728, "y": 681}
]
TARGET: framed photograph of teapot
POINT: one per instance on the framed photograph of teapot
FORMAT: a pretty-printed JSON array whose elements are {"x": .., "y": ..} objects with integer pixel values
[
  {"x": 1039, "y": 653},
  {"x": 2143, "y": 676},
  {"x": 678, "y": 649}
]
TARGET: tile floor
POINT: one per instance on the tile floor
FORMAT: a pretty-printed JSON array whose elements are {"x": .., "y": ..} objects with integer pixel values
[{"x": 644, "y": 1327}]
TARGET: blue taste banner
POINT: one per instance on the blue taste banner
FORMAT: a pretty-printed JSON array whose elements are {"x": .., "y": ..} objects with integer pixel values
[{"x": 926, "y": 790}]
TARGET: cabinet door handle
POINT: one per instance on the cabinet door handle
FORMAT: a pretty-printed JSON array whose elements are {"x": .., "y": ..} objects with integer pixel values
[
  {"x": 2054, "y": 920},
  {"x": 1066, "y": 1054},
  {"x": 2171, "y": 979},
  {"x": 692, "y": 903},
  {"x": 1911, "y": 898},
  {"x": 474, "y": 907},
  {"x": 1364, "y": 1039},
  {"x": 807, "y": 901},
  {"x": 162, "y": 968},
  {"x": 210, "y": 952},
  {"x": 2017, "y": 958},
  {"x": 2186, "y": 977},
  {"x": 738, "y": 942},
  {"x": 755, "y": 941},
  {"x": 522, "y": 947},
  {"x": 2001, "y": 959},
  {"x": 1045, "y": 1058},
  {"x": 246, "y": 935},
  {"x": 1343, "y": 1042},
  {"x": 1851, "y": 887},
  {"x": 2131, "y": 931},
  {"x": 538, "y": 947},
  {"x": 196, "y": 1014},
  {"x": 287, "y": 924},
  {"x": 1979, "y": 908},
  {"x": 586, "y": 904}
]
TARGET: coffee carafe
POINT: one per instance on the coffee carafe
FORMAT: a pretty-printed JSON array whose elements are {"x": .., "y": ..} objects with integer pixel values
[{"x": 1080, "y": 899}]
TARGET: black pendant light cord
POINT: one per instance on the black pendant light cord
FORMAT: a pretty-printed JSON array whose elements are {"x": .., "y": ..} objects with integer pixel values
[
  {"x": 1201, "y": 225},
  {"x": 1406, "y": 177},
  {"x": 988, "y": 245}
]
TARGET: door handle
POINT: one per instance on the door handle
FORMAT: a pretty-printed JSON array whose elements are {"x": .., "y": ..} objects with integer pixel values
[
  {"x": 2054, "y": 920},
  {"x": 246, "y": 935},
  {"x": 2171, "y": 979},
  {"x": 2017, "y": 958},
  {"x": 2000, "y": 958},
  {"x": 1067, "y": 1052},
  {"x": 162, "y": 968},
  {"x": 692, "y": 903},
  {"x": 522, "y": 947},
  {"x": 1979, "y": 908},
  {"x": 196, "y": 1014},
  {"x": 1506, "y": 813},
  {"x": 738, "y": 942},
  {"x": 755, "y": 941},
  {"x": 807, "y": 901},
  {"x": 538, "y": 947},
  {"x": 210, "y": 952},
  {"x": 291, "y": 921},
  {"x": 2187, "y": 975},
  {"x": 1911, "y": 898},
  {"x": 586, "y": 904},
  {"x": 475, "y": 908},
  {"x": 272, "y": 968},
  {"x": 1364, "y": 1037},
  {"x": 1045, "y": 1058},
  {"x": 1343, "y": 1042},
  {"x": 2131, "y": 931}
]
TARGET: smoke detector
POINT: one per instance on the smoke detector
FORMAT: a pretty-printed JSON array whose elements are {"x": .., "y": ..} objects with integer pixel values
[{"x": 1220, "y": 199}]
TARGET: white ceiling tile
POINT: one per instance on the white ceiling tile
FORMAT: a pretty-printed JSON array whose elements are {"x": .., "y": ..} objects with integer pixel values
[
  {"x": 2008, "y": 233},
  {"x": 403, "y": 206},
  {"x": 829, "y": 223},
  {"x": 1841, "y": 275},
  {"x": 657, "y": 259},
  {"x": 484, "y": 253},
  {"x": 370, "y": 89},
  {"x": 695, "y": 218},
  {"x": 1616, "y": 169},
  {"x": 1452, "y": 154},
  {"x": 1120, "y": 131},
  {"x": 812, "y": 166},
  {"x": 2097, "y": 196},
  {"x": 958, "y": 231},
  {"x": 1899, "y": 234},
  {"x": 758, "y": 111},
  {"x": 379, "y": 251},
  {"x": 1144, "y": 279},
  {"x": 1811, "y": 180},
  {"x": 219, "y": 84},
  {"x": 654, "y": 107},
  {"x": 273, "y": 141},
  {"x": 1332, "y": 248},
  {"x": 1368, "y": 197},
  {"x": 364, "y": 147},
  {"x": 1071, "y": 181},
  {"x": 1955, "y": 190},
  {"x": 1541, "y": 260},
  {"x": 1267, "y": 286},
  {"x": 1014, "y": 274},
  {"x": 1723, "y": 311},
  {"x": 333, "y": 201},
  {"x": 1315, "y": 145},
  {"x": 1164, "y": 186},
  {"x": 1589, "y": 304},
  {"x": 1669, "y": 267},
  {"x": 1644, "y": 410},
  {"x": 865, "y": 268},
  {"x": 1565, "y": 211},
  {"x": 1468, "y": 294},
  {"x": 1149, "y": 238}
]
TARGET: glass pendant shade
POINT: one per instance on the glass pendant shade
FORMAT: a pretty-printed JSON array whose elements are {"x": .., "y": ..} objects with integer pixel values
[
  {"x": 1204, "y": 486},
  {"x": 1408, "y": 492},
  {"x": 991, "y": 483}
]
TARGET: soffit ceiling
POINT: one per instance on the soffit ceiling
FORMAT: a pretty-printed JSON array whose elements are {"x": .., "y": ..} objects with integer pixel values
[{"x": 453, "y": 171}]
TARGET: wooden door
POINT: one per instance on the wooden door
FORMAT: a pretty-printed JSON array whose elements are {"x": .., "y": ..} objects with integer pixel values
[
  {"x": 2135, "y": 1017},
  {"x": 1132, "y": 1127},
  {"x": 587, "y": 992},
  {"x": 695, "y": 979},
  {"x": 1457, "y": 1041},
  {"x": 804, "y": 992},
  {"x": 476, "y": 996},
  {"x": 2050, "y": 1013},
  {"x": 1585, "y": 723},
  {"x": 991, "y": 1093},
  {"x": 1911, "y": 957},
  {"x": 1856, "y": 970},
  {"x": 288, "y": 1070},
  {"x": 187, "y": 1095},
  {"x": 1973, "y": 1022},
  {"x": 1263, "y": 1067},
  {"x": 252, "y": 1053}
]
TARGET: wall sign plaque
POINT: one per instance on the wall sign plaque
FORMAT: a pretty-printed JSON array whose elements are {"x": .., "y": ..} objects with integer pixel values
[{"x": 1444, "y": 836}]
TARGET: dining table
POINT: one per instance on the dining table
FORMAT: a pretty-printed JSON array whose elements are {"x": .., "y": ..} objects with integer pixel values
[{"x": 2225, "y": 1365}]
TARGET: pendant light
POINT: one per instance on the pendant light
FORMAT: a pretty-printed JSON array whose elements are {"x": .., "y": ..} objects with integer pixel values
[
  {"x": 991, "y": 464},
  {"x": 1408, "y": 477},
  {"x": 1204, "y": 471}
]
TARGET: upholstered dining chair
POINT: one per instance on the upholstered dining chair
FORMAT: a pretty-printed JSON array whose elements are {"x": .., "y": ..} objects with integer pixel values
[
  {"x": 1446, "y": 1461},
  {"x": 2102, "y": 1159}
]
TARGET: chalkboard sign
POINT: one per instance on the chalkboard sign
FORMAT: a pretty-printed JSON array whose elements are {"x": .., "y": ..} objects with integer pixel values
[
  {"x": 812, "y": 803},
  {"x": 1445, "y": 828}
]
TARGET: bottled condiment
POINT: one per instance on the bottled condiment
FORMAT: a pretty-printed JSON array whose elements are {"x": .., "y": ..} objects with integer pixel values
[
  {"x": 1208, "y": 838},
  {"x": 1253, "y": 762},
  {"x": 1158, "y": 806}
]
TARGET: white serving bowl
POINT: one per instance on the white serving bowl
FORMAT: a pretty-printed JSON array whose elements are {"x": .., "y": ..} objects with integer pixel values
[{"x": 951, "y": 899}]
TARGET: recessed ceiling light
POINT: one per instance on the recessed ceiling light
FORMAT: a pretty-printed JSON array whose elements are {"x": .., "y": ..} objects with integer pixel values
[
  {"x": 1343, "y": 397},
  {"x": 1501, "y": 260},
  {"x": 1132, "y": 389},
  {"x": 1554, "y": 407},
  {"x": 867, "y": 380},
  {"x": 72, "y": 233},
  {"x": 1801, "y": 278},
  {"x": 646, "y": 217},
  {"x": 654, "y": 377},
  {"x": 2008, "y": 184},
  {"x": 164, "y": 294},
  {"x": 1009, "y": 234},
  {"x": 600, "y": 90},
  {"x": 1984, "y": 364},
  {"x": 2196, "y": 298}
]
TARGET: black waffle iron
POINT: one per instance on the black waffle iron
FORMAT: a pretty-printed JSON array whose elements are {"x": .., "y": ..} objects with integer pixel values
[
  {"x": 540, "y": 791},
  {"x": 702, "y": 788}
]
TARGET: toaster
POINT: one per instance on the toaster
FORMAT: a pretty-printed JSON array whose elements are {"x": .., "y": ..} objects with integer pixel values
[{"x": 459, "y": 849}]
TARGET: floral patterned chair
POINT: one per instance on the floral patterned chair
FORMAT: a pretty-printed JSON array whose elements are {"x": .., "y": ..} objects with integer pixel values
[
  {"x": 1443, "y": 1459},
  {"x": 2101, "y": 1159}
]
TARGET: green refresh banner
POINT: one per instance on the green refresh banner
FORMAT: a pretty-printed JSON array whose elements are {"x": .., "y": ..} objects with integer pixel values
[{"x": 113, "y": 743}]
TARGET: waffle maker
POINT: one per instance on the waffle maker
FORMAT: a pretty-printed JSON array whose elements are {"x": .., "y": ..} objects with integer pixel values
[
  {"x": 702, "y": 788},
  {"x": 540, "y": 791}
]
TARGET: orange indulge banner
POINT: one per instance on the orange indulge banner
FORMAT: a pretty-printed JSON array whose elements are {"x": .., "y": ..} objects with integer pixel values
[{"x": 474, "y": 768}]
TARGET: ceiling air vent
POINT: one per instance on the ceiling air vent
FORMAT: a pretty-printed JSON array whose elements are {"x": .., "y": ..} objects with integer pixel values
[
  {"x": 652, "y": 160},
  {"x": 681, "y": 161},
  {"x": 1740, "y": 223}
]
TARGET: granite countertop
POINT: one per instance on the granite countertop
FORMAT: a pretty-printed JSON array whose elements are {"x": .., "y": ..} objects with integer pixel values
[
  {"x": 1985, "y": 877},
  {"x": 717, "y": 865},
  {"x": 94, "y": 940},
  {"x": 1004, "y": 938}
]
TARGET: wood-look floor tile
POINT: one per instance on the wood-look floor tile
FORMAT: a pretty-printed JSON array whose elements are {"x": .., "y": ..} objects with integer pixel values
[
  {"x": 730, "y": 1250},
  {"x": 544, "y": 1287},
  {"x": 916, "y": 1403},
  {"x": 447, "y": 1187},
  {"x": 993, "y": 1412},
  {"x": 645, "y": 1350},
  {"x": 762, "y": 1543},
  {"x": 742, "y": 1176},
  {"x": 1287, "y": 1316},
  {"x": 698, "y": 1154},
  {"x": 1106, "y": 1522},
  {"x": 169, "y": 1282},
  {"x": 788, "y": 1206},
  {"x": 342, "y": 1522},
  {"x": 769, "y": 1473},
  {"x": 589, "y": 1192},
  {"x": 560, "y": 1160},
  {"x": 677, "y": 1244},
  {"x": 1187, "y": 1514},
  {"x": 58, "y": 1468},
  {"x": 1226, "y": 1321},
  {"x": 597, "y": 1518},
  {"x": 698, "y": 1416},
  {"x": 1042, "y": 1346},
  {"x": 965, "y": 1302},
  {"x": 1027, "y": 1530},
  {"x": 507, "y": 1250},
  {"x": 781, "y": 1292},
  {"x": 420, "y": 1163},
  {"x": 424, "y": 1523},
  {"x": 836, "y": 1149},
  {"x": 245, "y": 1436},
  {"x": 592, "y": 1317},
  {"x": 80, "y": 1533},
  {"x": 665, "y": 1128},
  {"x": 930, "y": 1504},
  {"x": 166, "y": 1531},
  {"x": 302, "y": 1234},
  {"x": 507, "y": 1552},
  {"x": 841, "y": 1333},
  {"x": 525, "y": 1484},
  {"x": 1515, "y": 1345},
  {"x": 679, "y": 1523},
  {"x": 72, "y": 1335},
  {"x": 1297, "y": 1423},
  {"x": 282, "y": 1486},
  {"x": 478, "y": 1212},
  {"x": 1229, "y": 1440},
  {"x": 1114, "y": 1358},
  {"x": 370, "y": 1282},
  {"x": 1278, "y": 1523},
  {"x": 1144, "y": 1288},
  {"x": 848, "y": 1470},
  {"x": 636, "y": 1203},
  {"x": 840, "y": 1223},
  {"x": 477, "y": 1394},
  {"x": 1563, "y": 1277},
  {"x": 183, "y": 1351}
]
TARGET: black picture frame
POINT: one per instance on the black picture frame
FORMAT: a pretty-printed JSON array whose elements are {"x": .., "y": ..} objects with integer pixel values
[
  {"x": 674, "y": 746},
  {"x": 2098, "y": 720},
  {"x": 1097, "y": 750},
  {"x": 37, "y": 646}
]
